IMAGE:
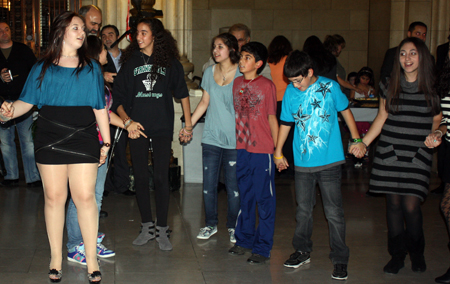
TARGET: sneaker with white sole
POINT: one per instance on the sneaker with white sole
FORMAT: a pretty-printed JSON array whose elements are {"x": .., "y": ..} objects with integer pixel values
[
  {"x": 103, "y": 252},
  {"x": 77, "y": 255},
  {"x": 340, "y": 272},
  {"x": 206, "y": 232},
  {"x": 232, "y": 237},
  {"x": 297, "y": 259}
]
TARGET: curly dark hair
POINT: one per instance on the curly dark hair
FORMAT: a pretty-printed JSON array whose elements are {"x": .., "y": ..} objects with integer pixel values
[
  {"x": 164, "y": 46},
  {"x": 56, "y": 38}
]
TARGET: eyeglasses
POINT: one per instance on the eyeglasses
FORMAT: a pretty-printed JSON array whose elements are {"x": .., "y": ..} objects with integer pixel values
[{"x": 298, "y": 81}]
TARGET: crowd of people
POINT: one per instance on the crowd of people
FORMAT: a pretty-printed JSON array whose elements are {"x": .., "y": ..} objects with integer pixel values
[{"x": 267, "y": 110}]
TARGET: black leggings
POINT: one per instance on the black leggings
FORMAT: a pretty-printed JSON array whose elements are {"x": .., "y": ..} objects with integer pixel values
[
  {"x": 401, "y": 210},
  {"x": 445, "y": 205},
  {"x": 161, "y": 159}
]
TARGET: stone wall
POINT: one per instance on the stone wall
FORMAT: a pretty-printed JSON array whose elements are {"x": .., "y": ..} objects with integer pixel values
[{"x": 295, "y": 19}]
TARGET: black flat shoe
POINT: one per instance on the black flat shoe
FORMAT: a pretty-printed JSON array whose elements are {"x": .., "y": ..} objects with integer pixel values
[
  {"x": 95, "y": 277},
  {"x": 445, "y": 279},
  {"x": 55, "y": 275}
]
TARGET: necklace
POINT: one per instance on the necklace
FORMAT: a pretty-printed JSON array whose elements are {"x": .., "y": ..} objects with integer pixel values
[
  {"x": 67, "y": 56},
  {"x": 145, "y": 62},
  {"x": 246, "y": 86},
  {"x": 224, "y": 75}
]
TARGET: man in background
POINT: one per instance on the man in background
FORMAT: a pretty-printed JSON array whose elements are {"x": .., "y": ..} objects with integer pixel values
[{"x": 16, "y": 61}]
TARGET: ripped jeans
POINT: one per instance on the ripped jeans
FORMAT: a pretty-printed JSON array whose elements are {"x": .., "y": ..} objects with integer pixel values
[{"x": 213, "y": 159}]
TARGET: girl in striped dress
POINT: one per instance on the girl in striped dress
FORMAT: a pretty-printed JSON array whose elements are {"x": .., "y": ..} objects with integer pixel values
[{"x": 407, "y": 122}]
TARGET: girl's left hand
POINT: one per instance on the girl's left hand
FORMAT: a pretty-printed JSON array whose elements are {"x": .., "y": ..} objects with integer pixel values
[
  {"x": 184, "y": 135},
  {"x": 103, "y": 154},
  {"x": 433, "y": 140}
]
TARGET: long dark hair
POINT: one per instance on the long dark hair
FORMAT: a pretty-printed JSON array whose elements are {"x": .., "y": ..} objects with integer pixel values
[
  {"x": 279, "y": 47},
  {"x": 425, "y": 77},
  {"x": 231, "y": 42},
  {"x": 164, "y": 46},
  {"x": 56, "y": 38},
  {"x": 323, "y": 60},
  {"x": 95, "y": 47}
]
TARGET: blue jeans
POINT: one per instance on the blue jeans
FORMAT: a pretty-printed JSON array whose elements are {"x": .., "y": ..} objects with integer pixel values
[
  {"x": 8, "y": 147},
  {"x": 213, "y": 158},
  {"x": 330, "y": 188},
  {"x": 73, "y": 227}
]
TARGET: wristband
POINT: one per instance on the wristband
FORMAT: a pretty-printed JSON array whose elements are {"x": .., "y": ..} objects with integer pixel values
[
  {"x": 278, "y": 158},
  {"x": 107, "y": 145},
  {"x": 127, "y": 123},
  {"x": 356, "y": 140}
]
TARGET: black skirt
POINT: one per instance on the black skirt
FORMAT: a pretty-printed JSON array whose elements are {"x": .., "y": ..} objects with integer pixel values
[{"x": 66, "y": 135}]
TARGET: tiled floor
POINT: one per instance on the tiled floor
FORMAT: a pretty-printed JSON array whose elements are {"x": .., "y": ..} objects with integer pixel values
[{"x": 24, "y": 249}]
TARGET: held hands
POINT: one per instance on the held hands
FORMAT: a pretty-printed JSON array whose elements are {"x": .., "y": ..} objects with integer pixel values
[
  {"x": 109, "y": 77},
  {"x": 185, "y": 134},
  {"x": 280, "y": 162},
  {"x": 434, "y": 139},
  {"x": 357, "y": 149},
  {"x": 6, "y": 111},
  {"x": 103, "y": 154},
  {"x": 135, "y": 130}
]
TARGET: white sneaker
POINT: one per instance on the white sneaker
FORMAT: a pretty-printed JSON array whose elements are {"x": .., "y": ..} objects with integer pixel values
[
  {"x": 232, "y": 237},
  {"x": 206, "y": 232}
]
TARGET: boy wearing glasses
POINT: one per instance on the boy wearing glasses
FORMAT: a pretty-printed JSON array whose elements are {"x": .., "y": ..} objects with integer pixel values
[{"x": 311, "y": 104}]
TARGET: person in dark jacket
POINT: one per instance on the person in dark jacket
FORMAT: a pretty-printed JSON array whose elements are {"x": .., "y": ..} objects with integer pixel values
[{"x": 16, "y": 61}]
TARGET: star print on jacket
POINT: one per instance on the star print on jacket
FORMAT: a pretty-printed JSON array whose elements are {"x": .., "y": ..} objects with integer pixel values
[{"x": 324, "y": 88}]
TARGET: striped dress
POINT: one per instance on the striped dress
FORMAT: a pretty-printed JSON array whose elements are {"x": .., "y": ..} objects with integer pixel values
[{"x": 402, "y": 162}]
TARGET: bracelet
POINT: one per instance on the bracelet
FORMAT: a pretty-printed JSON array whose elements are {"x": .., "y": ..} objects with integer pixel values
[
  {"x": 107, "y": 145},
  {"x": 442, "y": 134},
  {"x": 187, "y": 132},
  {"x": 125, "y": 120},
  {"x": 356, "y": 140},
  {"x": 127, "y": 123},
  {"x": 278, "y": 158}
]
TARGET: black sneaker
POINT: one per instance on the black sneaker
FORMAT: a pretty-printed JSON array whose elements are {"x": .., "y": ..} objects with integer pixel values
[
  {"x": 237, "y": 250},
  {"x": 257, "y": 259},
  {"x": 340, "y": 272},
  {"x": 297, "y": 259}
]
